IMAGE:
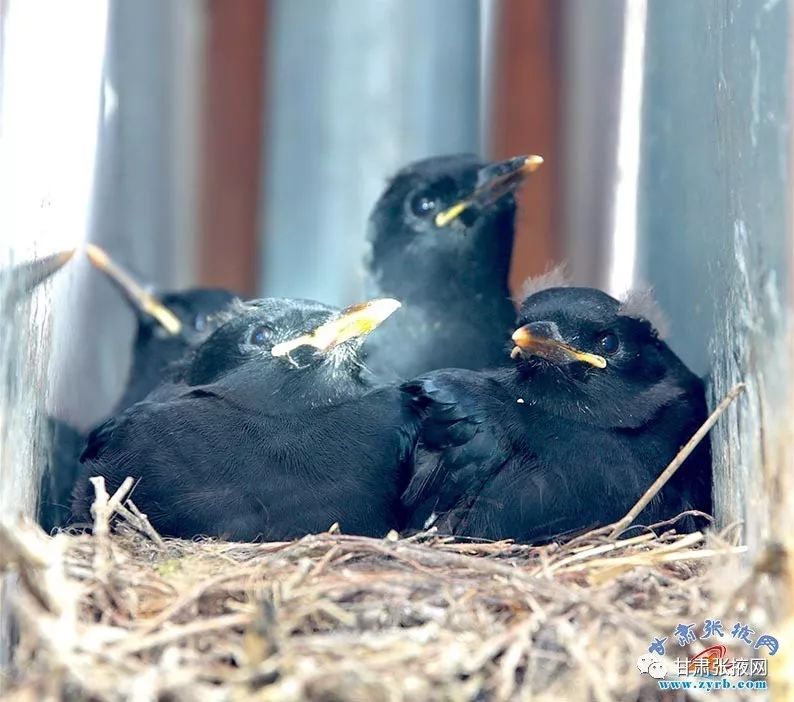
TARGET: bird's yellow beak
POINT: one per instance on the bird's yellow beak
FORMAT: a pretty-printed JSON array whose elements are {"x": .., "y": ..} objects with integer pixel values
[
  {"x": 495, "y": 180},
  {"x": 355, "y": 321},
  {"x": 24, "y": 277},
  {"x": 538, "y": 339},
  {"x": 138, "y": 296}
]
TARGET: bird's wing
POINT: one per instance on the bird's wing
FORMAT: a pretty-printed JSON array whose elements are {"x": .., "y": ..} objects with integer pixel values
[
  {"x": 98, "y": 441},
  {"x": 460, "y": 441},
  {"x": 209, "y": 463},
  {"x": 156, "y": 441},
  {"x": 100, "y": 435}
]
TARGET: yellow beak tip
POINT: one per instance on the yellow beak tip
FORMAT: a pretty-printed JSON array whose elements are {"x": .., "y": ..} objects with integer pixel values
[
  {"x": 520, "y": 336},
  {"x": 96, "y": 255},
  {"x": 599, "y": 362},
  {"x": 65, "y": 256},
  {"x": 533, "y": 162},
  {"x": 355, "y": 321},
  {"x": 134, "y": 292},
  {"x": 389, "y": 306}
]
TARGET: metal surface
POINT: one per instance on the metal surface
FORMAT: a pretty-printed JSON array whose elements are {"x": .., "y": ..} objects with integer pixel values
[
  {"x": 357, "y": 88},
  {"x": 591, "y": 106},
  {"x": 713, "y": 218},
  {"x": 49, "y": 98},
  {"x": 144, "y": 202}
]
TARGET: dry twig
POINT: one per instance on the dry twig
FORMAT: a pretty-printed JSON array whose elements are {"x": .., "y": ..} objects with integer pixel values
[
  {"x": 677, "y": 462},
  {"x": 355, "y": 618}
]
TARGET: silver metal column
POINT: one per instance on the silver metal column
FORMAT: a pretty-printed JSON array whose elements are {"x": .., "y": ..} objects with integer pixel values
[
  {"x": 49, "y": 105},
  {"x": 714, "y": 236},
  {"x": 144, "y": 205},
  {"x": 357, "y": 88},
  {"x": 592, "y": 89}
]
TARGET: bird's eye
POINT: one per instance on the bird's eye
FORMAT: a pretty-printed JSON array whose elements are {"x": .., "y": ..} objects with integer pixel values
[
  {"x": 261, "y": 335},
  {"x": 200, "y": 322},
  {"x": 609, "y": 343},
  {"x": 423, "y": 204}
]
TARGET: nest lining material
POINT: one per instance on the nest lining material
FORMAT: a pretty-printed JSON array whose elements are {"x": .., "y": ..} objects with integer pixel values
[
  {"x": 120, "y": 616},
  {"x": 123, "y": 614}
]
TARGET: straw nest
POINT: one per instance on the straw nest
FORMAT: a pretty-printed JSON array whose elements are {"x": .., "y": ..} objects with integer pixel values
[{"x": 122, "y": 614}]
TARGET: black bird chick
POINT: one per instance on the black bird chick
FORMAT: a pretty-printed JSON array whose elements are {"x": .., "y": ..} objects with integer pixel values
[
  {"x": 565, "y": 437},
  {"x": 170, "y": 324},
  {"x": 280, "y": 434},
  {"x": 19, "y": 282},
  {"x": 441, "y": 241}
]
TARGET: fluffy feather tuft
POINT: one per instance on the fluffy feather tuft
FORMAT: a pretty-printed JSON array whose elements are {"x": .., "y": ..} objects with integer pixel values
[
  {"x": 640, "y": 304},
  {"x": 555, "y": 277}
]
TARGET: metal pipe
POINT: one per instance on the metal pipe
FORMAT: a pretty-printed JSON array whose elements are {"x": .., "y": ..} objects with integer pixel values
[{"x": 357, "y": 89}]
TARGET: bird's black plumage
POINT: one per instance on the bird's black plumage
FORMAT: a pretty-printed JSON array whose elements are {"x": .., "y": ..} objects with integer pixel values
[
  {"x": 155, "y": 357},
  {"x": 450, "y": 272},
  {"x": 169, "y": 323},
  {"x": 155, "y": 350},
  {"x": 261, "y": 446},
  {"x": 567, "y": 435}
]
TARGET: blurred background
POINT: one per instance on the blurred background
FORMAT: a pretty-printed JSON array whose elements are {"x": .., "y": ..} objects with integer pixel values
[{"x": 242, "y": 143}]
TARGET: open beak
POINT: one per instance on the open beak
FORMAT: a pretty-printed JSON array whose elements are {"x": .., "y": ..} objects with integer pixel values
[
  {"x": 353, "y": 322},
  {"x": 493, "y": 182},
  {"x": 24, "y": 278},
  {"x": 138, "y": 296},
  {"x": 543, "y": 339}
]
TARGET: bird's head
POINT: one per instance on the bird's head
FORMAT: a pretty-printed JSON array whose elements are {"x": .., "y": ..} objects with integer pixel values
[
  {"x": 446, "y": 213},
  {"x": 594, "y": 356},
  {"x": 183, "y": 318},
  {"x": 169, "y": 323},
  {"x": 199, "y": 310},
  {"x": 19, "y": 282},
  {"x": 285, "y": 335}
]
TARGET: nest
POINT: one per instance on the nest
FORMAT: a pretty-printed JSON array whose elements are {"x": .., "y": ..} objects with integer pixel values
[
  {"x": 123, "y": 614},
  {"x": 126, "y": 615}
]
